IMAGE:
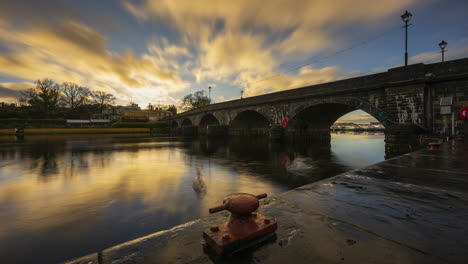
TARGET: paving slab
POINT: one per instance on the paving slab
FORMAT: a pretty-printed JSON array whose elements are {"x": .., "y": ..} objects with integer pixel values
[{"x": 409, "y": 209}]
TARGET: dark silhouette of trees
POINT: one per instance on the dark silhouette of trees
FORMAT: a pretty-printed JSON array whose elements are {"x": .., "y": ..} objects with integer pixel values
[
  {"x": 150, "y": 107},
  {"x": 172, "y": 108},
  {"x": 75, "y": 95},
  {"x": 103, "y": 99},
  {"x": 195, "y": 100},
  {"x": 45, "y": 97}
]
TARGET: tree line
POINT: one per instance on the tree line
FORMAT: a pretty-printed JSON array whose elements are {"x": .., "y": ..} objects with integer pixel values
[{"x": 50, "y": 98}]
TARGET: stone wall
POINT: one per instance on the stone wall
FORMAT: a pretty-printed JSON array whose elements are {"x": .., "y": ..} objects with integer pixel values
[
  {"x": 405, "y": 104},
  {"x": 442, "y": 123}
]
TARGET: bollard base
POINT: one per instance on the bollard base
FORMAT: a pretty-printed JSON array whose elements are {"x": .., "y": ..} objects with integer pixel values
[{"x": 225, "y": 242}]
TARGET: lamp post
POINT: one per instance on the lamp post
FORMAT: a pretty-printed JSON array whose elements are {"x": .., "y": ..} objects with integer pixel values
[
  {"x": 242, "y": 93},
  {"x": 406, "y": 18},
  {"x": 209, "y": 93},
  {"x": 442, "y": 46}
]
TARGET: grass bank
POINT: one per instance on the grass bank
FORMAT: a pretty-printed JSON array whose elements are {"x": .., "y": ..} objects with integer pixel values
[{"x": 52, "y": 131}]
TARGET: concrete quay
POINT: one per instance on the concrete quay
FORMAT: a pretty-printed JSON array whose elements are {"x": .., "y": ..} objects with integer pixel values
[{"x": 408, "y": 209}]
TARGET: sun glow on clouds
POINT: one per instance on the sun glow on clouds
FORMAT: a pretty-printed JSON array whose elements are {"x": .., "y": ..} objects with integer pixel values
[
  {"x": 232, "y": 43},
  {"x": 78, "y": 53},
  {"x": 245, "y": 41}
]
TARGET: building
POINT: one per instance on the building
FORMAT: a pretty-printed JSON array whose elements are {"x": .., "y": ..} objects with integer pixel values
[
  {"x": 131, "y": 115},
  {"x": 88, "y": 123}
]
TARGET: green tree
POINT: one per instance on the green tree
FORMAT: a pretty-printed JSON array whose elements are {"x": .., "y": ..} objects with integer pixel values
[
  {"x": 195, "y": 100},
  {"x": 44, "y": 97}
]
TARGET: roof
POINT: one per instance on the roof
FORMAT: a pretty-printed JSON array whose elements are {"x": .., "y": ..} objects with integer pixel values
[
  {"x": 100, "y": 120},
  {"x": 77, "y": 121}
]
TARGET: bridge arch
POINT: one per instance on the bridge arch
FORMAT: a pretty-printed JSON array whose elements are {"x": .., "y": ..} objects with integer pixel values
[
  {"x": 316, "y": 119},
  {"x": 186, "y": 122},
  {"x": 205, "y": 121},
  {"x": 174, "y": 124},
  {"x": 249, "y": 123}
]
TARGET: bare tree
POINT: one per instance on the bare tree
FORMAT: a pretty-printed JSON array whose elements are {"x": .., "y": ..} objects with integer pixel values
[
  {"x": 150, "y": 107},
  {"x": 103, "y": 99},
  {"x": 195, "y": 100},
  {"x": 75, "y": 95},
  {"x": 172, "y": 108},
  {"x": 45, "y": 96}
]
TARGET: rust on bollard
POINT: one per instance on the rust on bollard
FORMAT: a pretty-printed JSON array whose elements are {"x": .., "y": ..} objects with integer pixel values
[
  {"x": 434, "y": 146},
  {"x": 243, "y": 228}
]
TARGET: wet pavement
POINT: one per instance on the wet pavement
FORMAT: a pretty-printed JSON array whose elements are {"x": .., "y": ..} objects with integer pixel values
[{"x": 409, "y": 209}]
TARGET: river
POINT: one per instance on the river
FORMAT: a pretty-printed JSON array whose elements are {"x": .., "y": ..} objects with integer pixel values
[{"x": 62, "y": 197}]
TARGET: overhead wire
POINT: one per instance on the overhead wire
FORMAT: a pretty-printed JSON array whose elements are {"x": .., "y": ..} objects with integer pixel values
[{"x": 316, "y": 58}]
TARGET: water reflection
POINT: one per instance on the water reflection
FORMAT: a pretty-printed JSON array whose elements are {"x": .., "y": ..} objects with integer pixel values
[{"x": 66, "y": 196}]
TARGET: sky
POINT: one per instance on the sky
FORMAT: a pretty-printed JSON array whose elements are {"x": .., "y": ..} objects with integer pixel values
[{"x": 157, "y": 51}]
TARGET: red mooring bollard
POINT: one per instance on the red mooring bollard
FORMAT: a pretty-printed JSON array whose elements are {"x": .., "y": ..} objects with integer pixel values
[
  {"x": 244, "y": 227},
  {"x": 434, "y": 146}
]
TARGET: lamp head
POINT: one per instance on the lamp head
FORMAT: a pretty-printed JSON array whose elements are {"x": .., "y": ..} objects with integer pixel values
[
  {"x": 443, "y": 44},
  {"x": 406, "y": 16}
]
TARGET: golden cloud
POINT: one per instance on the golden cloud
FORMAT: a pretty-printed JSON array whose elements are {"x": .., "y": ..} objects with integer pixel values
[
  {"x": 235, "y": 42},
  {"x": 257, "y": 85},
  {"x": 248, "y": 39},
  {"x": 229, "y": 54},
  {"x": 10, "y": 92},
  {"x": 76, "y": 52},
  {"x": 307, "y": 25}
]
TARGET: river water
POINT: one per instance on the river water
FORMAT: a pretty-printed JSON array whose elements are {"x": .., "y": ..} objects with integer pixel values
[{"x": 62, "y": 197}]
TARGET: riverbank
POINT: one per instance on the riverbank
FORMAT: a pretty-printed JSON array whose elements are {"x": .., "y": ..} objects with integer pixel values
[
  {"x": 409, "y": 209},
  {"x": 58, "y": 131}
]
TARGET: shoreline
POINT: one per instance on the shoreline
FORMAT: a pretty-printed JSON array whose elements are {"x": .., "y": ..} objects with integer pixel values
[{"x": 71, "y": 131}]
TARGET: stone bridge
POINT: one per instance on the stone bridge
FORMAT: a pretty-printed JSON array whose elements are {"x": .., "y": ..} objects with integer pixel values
[{"x": 406, "y": 100}]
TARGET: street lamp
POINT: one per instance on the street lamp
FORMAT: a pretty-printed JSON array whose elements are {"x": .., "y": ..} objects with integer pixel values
[
  {"x": 406, "y": 18},
  {"x": 242, "y": 93},
  {"x": 209, "y": 93},
  {"x": 442, "y": 46}
]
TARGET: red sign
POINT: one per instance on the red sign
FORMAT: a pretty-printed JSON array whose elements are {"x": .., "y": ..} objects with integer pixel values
[
  {"x": 285, "y": 122},
  {"x": 463, "y": 114}
]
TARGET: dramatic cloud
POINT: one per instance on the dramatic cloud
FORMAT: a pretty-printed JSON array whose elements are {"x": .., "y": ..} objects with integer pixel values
[
  {"x": 245, "y": 41},
  {"x": 228, "y": 54},
  {"x": 154, "y": 51},
  {"x": 11, "y": 92},
  {"x": 281, "y": 81},
  {"x": 304, "y": 25},
  {"x": 73, "y": 51}
]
